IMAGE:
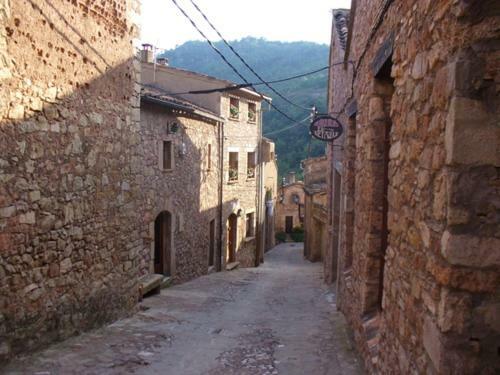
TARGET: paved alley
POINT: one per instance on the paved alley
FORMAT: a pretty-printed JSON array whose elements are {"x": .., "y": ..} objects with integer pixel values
[{"x": 276, "y": 319}]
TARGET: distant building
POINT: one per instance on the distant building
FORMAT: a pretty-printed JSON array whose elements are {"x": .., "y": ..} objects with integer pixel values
[
  {"x": 415, "y": 183},
  {"x": 270, "y": 167},
  {"x": 316, "y": 218},
  {"x": 290, "y": 207},
  {"x": 242, "y": 186},
  {"x": 182, "y": 180}
]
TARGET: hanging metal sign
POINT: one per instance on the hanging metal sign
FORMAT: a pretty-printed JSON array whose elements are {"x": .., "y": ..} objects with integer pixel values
[{"x": 326, "y": 128}]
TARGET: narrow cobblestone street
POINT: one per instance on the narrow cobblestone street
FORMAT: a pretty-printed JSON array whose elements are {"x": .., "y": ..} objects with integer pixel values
[{"x": 276, "y": 319}]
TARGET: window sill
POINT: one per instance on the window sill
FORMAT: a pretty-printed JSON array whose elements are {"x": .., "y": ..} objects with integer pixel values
[
  {"x": 252, "y": 122},
  {"x": 233, "y": 182},
  {"x": 235, "y": 119},
  {"x": 250, "y": 178},
  {"x": 249, "y": 239},
  {"x": 167, "y": 170}
]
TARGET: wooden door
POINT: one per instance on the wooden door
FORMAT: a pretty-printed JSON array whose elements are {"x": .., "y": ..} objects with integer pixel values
[
  {"x": 232, "y": 237},
  {"x": 289, "y": 224},
  {"x": 163, "y": 240},
  {"x": 211, "y": 249}
]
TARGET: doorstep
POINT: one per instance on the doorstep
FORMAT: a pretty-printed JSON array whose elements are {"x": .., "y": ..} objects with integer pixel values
[
  {"x": 149, "y": 283},
  {"x": 232, "y": 266}
]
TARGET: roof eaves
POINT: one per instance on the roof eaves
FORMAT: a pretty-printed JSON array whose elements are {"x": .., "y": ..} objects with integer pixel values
[{"x": 341, "y": 21}]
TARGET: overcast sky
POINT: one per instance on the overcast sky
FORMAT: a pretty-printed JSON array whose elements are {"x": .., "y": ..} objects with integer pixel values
[{"x": 284, "y": 20}]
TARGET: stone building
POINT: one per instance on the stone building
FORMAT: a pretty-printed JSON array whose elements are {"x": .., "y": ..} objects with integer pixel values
[
  {"x": 270, "y": 168},
  {"x": 181, "y": 170},
  {"x": 316, "y": 219},
  {"x": 242, "y": 185},
  {"x": 69, "y": 188},
  {"x": 416, "y": 186},
  {"x": 290, "y": 207}
]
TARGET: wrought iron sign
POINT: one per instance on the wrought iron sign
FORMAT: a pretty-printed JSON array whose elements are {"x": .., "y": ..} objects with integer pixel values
[{"x": 326, "y": 128}]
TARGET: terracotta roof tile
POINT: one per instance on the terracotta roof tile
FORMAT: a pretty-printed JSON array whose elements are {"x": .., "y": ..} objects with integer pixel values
[{"x": 341, "y": 20}]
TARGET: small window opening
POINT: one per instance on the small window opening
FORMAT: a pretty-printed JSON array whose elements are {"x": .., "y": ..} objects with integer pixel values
[
  {"x": 234, "y": 108},
  {"x": 251, "y": 165},
  {"x": 209, "y": 157},
  {"x": 233, "y": 166},
  {"x": 252, "y": 112},
  {"x": 168, "y": 155}
]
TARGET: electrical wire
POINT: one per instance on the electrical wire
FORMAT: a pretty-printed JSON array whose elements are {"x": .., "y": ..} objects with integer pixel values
[
  {"x": 288, "y": 127},
  {"x": 245, "y": 85},
  {"x": 226, "y": 61},
  {"x": 244, "y": 62}
]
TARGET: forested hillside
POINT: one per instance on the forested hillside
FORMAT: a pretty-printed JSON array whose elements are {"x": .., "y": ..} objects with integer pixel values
[{"x": 272, "y": 60}]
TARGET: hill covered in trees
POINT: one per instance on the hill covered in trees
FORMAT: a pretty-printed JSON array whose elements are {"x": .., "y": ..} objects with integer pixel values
[{"x": 272, "y": 61}]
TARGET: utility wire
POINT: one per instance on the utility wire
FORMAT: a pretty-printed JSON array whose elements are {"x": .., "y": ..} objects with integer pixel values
[
  {"x": 243, "y": 60},
  {"x": 245, "y": 85},
  {"x": 226, "y": 61},
  {"x": 288, "y": 127}
]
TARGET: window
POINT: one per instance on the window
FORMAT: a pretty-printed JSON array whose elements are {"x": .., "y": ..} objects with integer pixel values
[
  {"x": 209, "y": 157},
  {"x": 252, "y": 112},
  {"x": 233, "y": 166},
  {"x": 251, "y": 165},
  {"x": 167, "y": 155},
  {"x": 250, "y": 232},
  {"x": 234, "y": 108}
]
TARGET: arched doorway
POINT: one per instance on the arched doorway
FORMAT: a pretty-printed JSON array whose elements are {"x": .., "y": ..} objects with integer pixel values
[
  {"x": 232, "y": 237},
  {"x": 163, "y": 243}
]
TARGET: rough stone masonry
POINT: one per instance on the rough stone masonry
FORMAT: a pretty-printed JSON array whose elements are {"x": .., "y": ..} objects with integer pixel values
[
  {"x": 419, "y": 246},
  {"x": 69, "y": 121}
]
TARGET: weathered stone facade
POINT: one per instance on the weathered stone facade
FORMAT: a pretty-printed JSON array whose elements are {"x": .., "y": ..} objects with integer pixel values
[
  {"x": 242, "y": 186},
  {"x": 187, "y": 190},
  {"x": 69, "y": 186},
  {"x": 316, "y": 213},
  {"x": 419, "y": 246},
  {"x": 290, "y": 207},
  {"x": 270, "y": 171}
]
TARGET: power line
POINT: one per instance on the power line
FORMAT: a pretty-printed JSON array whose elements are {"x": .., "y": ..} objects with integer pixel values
[
  {"x": 243, "y": 60},
  {"x": 245, "y": 85},
  {"x": 288, "y": 127},
  {"x": 226, "y": 61}
]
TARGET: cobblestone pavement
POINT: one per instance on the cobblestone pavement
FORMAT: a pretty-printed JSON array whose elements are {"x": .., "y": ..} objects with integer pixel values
[{"x": 276, "y": 319}]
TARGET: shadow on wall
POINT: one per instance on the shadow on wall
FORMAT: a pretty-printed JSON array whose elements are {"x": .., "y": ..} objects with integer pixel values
[
  {"x": 70, "y": 174},
  {"x": 187, "y": 189}
]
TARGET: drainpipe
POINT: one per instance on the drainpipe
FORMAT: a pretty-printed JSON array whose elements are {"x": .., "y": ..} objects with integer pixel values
[
  {"x": 260, "y": 212},
  {"x": 218, "y": 263}
]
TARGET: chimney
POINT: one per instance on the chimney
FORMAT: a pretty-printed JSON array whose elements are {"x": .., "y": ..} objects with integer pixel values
[
  {"x": 147, "y": 54},
  {"x": 291, "y": 177},
  {"x": 162, "y": 61}
]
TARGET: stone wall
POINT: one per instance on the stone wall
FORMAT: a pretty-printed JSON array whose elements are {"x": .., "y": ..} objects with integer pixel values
[
  {"x": 189, "y": 192},
  {"x": 270, "y": 170},
  {"x": 287, "y": 207},
  {"x": 316, "y": 213},
  {"x": 242, "y": 136},
  {"x": 420, "y": 281},
  {"x": 69, "y": 233}
]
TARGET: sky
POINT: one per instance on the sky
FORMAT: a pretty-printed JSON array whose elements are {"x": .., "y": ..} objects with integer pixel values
[{"x": 164, "y": 26}]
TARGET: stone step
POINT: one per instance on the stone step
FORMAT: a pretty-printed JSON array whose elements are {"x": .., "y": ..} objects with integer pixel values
[
  {"x": 232, "y": 266},
  {"x": 166, "y": 282},
  {"x": 149, "y": 283}
]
